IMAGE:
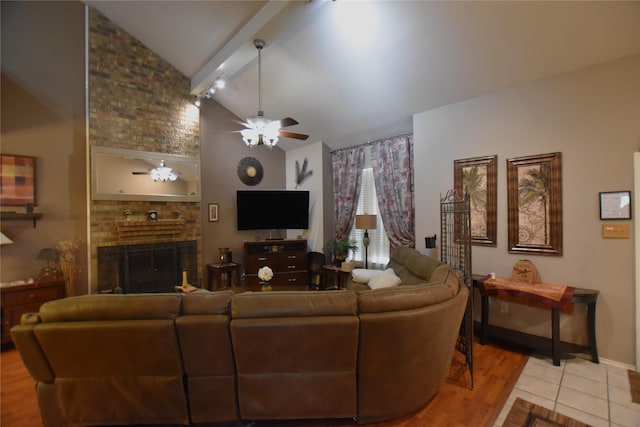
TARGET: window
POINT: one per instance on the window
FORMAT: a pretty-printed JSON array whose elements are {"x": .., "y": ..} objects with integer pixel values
[{"x": 378, "y": 252}]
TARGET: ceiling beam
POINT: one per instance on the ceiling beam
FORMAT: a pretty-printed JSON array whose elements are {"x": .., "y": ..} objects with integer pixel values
[{"x": 238, "y": 51}]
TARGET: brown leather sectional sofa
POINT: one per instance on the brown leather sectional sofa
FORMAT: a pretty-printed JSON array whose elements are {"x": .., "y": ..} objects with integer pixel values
[{"x": 209, "y": 357}]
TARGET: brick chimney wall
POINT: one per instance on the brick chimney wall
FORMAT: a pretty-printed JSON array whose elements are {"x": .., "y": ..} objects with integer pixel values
[{"x": 138, "y": 101}]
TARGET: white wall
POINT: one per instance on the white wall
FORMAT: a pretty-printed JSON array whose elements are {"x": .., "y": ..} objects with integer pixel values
[
  {"x": 592, "y": 116},
  {"x": 315, "y": 154}
]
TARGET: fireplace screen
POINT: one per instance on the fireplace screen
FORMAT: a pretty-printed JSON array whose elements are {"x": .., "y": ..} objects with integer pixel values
[{"x": 146, "y": 268}]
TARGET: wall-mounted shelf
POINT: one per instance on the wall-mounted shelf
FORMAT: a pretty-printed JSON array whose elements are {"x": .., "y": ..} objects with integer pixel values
[{"x": 15, "y": 215}]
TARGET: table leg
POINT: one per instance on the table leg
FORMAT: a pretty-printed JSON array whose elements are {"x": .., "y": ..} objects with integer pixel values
[
  {"x": 591, "y": 326},
  {"x": 210, "y": 280},
  {"x": 555, "y": 335},
  {"x": 484, "y": 315},
  {"x": 217, "y": 279}
]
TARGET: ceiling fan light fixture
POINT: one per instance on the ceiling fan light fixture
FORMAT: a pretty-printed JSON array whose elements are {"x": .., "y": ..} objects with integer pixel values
[
  {"x": 163, "y": 173},
  {"x": 251, "y": 137},
  {"x": 258, "y": 122},
  {"x": 270, "y": 136}
]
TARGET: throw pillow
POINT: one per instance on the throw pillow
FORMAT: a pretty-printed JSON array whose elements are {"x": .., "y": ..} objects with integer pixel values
[
  {"x": 363, "y": 275},
  {"x": 387, "y": 279}
]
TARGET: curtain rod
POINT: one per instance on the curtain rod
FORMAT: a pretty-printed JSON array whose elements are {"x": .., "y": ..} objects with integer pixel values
[{"x": 371, "y": 142}]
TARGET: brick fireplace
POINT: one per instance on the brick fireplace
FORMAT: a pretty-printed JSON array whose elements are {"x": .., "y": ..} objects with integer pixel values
[{"x": 138, "y": 101}]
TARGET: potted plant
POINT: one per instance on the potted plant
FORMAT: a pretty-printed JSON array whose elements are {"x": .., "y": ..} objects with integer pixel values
[{"x": 340, "y": 249}]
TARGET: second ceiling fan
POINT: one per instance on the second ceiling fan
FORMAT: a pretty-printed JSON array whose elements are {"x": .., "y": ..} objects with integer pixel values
[{"x": 260, "y": 129}]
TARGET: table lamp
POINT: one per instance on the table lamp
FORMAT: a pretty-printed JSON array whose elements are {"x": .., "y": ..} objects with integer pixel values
[
  {"x": 47, "y": 254},
  {"x": 366, "y": 222}
]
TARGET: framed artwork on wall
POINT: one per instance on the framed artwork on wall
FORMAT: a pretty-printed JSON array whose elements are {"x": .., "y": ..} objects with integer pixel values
[
  {"x": 18, "y": 174},
  {"x": 478, "y": 176},
  {"x": 615, "y": 205},
  {"x": 213, "y": 212},
  {"x": 534, "y": 204}
]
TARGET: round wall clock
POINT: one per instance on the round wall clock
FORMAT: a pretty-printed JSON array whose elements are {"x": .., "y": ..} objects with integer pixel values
[{"x": 250, "y": 171}]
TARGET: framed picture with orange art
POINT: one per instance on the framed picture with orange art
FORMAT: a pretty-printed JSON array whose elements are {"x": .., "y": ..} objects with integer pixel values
[{"x": 18, "y": 180}]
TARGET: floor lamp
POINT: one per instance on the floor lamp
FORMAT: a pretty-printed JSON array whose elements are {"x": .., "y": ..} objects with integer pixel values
[{"x": 366, "y": 222}]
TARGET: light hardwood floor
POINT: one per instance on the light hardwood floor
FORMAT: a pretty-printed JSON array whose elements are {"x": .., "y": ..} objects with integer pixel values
[{"x": 455, "y": 405}]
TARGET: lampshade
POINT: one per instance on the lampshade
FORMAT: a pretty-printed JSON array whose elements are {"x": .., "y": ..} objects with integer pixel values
[
  {"x": 366, "y": 222},
  {"x": 47, "y": 254},
  {"x": 4, "y": 240}
]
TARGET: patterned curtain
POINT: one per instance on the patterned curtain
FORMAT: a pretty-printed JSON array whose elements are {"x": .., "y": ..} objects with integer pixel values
[
  {"x": 392, "y": 162},
  {"x": 347, "y": 173}
]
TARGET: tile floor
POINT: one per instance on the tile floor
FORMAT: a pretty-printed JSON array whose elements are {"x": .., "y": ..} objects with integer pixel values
[{"x": 597, "y": 394}]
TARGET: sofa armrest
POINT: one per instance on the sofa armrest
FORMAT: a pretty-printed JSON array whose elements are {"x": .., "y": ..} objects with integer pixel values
[
  {"x": 31, "y": 353},
  {"x": 404, "y": 297}
]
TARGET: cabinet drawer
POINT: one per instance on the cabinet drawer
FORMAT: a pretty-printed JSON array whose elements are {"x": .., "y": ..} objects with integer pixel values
[
  {"x": 293, "y": 279},
  {"x": 256, "y": 261},
  {"x": 31, "y": 296},
  {"x": 294, "y": 262}
]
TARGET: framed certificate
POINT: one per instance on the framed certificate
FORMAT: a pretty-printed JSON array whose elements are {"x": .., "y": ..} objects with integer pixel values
[{"x": 615, "y": 205}]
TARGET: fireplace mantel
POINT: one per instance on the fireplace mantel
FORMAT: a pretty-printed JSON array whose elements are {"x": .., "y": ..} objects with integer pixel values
[{"x": 163, "y": 227}]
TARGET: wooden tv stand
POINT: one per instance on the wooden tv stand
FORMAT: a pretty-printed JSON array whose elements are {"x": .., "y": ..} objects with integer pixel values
[{"x": 287, "y": 259}]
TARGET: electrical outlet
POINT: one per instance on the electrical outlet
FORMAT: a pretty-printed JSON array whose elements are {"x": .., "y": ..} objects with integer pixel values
[{"x": 504, "y": 307}]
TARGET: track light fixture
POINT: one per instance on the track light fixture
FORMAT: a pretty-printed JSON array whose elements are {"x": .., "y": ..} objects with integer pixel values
[{"x": 218, "y": 83}]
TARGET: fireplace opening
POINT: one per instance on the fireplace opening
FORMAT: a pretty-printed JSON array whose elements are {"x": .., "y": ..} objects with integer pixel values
[{"x": 147, "y": 268}]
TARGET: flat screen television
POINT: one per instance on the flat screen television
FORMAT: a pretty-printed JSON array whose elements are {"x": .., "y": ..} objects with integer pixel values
[{"x": 272, "y": 209}]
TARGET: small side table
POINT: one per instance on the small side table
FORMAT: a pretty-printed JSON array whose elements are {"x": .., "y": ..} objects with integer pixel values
[
  {"x": 334, "y": 277},
  {"x": 215, "y": 271}
]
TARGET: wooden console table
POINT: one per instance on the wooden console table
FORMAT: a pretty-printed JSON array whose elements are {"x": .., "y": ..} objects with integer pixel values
[
  {"x": 24, "y": 298},
  {"x": 580, "y": 295}
]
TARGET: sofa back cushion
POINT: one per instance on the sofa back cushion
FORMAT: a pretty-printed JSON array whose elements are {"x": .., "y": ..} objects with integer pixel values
[
  {"x": 296, "y": 354},
  {"x": 112, "y": 307},
  {"x": 99, "y": 345},
  {"x": 293, "y": 304},
  {"x": 399, "y": 257},
  {"x": 203, "y": 331}
]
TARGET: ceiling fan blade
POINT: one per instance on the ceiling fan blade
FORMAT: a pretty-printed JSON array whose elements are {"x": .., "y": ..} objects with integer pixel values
[
  {"x": 141, "y": 173},
  {"x": 287, "y": 121},
  {"x": 294, "y": 135}
]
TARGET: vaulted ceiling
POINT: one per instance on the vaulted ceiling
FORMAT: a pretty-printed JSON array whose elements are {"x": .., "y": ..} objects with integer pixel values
[{"x": 351, "y": 72}]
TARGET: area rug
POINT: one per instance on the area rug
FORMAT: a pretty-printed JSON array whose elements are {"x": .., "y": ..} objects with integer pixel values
[
  {"x": 634, "y": 385},
  {"x": 527, "y": 414}
]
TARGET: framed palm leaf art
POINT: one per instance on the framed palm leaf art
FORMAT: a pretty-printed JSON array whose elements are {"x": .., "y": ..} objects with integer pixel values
[
  {"x": 477, "y": 176},
  {"x": 534, "y": 204}
]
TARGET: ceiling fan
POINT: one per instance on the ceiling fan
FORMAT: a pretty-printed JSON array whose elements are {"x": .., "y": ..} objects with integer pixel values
[
  {"x": 260, "y": 129},
  {"x": 161, "y": 173}
]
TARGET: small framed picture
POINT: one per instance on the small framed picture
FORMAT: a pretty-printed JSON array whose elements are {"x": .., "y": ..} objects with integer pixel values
[
  {"x": 213, "y": 212},
  {"x": 615, "y": 205}
]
